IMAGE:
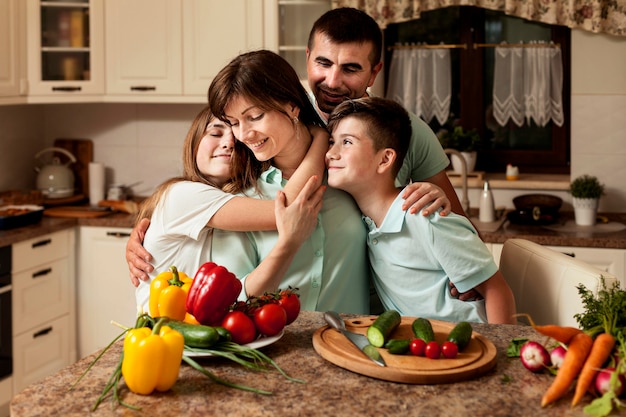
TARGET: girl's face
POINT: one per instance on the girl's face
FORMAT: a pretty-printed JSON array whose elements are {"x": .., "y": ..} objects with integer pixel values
[
  {"x": 215, "y": 151},
  {"x": 266, "y": 133}
]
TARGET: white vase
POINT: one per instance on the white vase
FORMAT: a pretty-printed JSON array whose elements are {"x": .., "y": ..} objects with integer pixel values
[
  {"x": 585, "y": 211},
  {"x": 470, "y": 161}
]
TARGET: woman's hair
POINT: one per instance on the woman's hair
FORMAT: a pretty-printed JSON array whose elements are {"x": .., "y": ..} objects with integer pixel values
[
  {"x": 269, "y": 82},
  {"x": 387, "y": 123},
  {"x": 191, "y": 171}
]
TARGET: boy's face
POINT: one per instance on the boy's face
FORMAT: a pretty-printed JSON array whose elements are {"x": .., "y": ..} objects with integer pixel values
[{"x": 350, "y": 159}]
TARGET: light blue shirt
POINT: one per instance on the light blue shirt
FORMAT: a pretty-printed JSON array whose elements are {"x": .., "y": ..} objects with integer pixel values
[
  {"x": 330, "y": 270},
  {"x": 413, "y": 257}
]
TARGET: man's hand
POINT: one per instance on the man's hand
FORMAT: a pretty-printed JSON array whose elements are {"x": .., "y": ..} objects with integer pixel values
[
  {"x": 137, "y": 256},
  {"x": 419, "y": 195},
  {"x": 471, "y": 295}
]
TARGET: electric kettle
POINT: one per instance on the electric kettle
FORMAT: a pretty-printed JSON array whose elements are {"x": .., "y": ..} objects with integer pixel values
[{"x": 55, "y": 180}]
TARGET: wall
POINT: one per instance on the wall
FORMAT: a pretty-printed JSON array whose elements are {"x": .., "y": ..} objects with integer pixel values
[{"x": 142, "y": 142}]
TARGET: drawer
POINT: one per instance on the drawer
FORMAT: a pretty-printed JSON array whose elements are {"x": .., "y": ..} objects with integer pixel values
[
  {"x": 40, "y": 294},
  {"x": 41, "y": 352},
  {"x": 33, "y": 252}
]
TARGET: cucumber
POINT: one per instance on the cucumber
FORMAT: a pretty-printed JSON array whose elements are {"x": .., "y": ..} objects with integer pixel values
[
  {"x": 195, "y": 335},
  {"x": 461, "y": 334},
  {"x": 397, "y": 346},
  {"x": 422, "y": 329},
  {"x": 372, "y": 352},
  {"x": 379, "y": 331}
]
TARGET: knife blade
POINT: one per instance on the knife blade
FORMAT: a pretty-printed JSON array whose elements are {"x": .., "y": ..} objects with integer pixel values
[{"x": 358, "y": 340}]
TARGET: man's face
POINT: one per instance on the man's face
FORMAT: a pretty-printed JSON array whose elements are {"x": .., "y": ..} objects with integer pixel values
[{"x": 338, "y": 71}]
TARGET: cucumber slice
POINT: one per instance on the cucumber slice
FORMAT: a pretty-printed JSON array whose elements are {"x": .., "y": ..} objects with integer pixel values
[{"x": 383, "y": 326}]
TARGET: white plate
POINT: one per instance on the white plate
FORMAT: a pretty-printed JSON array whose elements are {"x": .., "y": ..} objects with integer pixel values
[{"x": 256, "y": 344}]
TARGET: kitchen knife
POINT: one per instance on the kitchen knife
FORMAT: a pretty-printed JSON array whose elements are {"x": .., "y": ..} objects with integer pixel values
[{"x": 358, "y": 340}]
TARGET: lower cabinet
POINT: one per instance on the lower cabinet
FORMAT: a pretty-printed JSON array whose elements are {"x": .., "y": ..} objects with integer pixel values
[{"x": 104, "y": 291}]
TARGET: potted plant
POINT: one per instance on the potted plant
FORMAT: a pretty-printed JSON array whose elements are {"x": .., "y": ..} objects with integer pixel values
[
  {"x": 464, "y": 141},
  {"x": 586, "y": 191}
]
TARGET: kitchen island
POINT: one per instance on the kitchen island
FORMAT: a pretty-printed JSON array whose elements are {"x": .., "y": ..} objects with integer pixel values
[{"x": 507, "y": 390}]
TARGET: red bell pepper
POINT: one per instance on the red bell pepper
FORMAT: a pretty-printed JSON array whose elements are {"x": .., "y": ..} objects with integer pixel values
[{"x": 212, "y": 291}]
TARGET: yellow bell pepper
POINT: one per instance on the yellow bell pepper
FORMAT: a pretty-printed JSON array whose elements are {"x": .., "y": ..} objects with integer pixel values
[
  {"x": 152, "y": 358},
  {"x": 168, "y": 295}
]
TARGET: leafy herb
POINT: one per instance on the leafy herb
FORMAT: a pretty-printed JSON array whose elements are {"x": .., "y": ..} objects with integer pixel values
[
  {"x": 605, "y": 312},
  {"x": 512, "y": 351}
]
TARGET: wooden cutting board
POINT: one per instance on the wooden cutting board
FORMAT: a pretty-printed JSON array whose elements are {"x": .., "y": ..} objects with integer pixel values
[
  {"x": 82, "y": 149},
  {"x": 476, "y": 359},
  {"x": 75, "y": 212}
]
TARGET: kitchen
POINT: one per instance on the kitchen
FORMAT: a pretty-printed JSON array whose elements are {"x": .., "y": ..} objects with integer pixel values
[{"x": 126, "y": 130}]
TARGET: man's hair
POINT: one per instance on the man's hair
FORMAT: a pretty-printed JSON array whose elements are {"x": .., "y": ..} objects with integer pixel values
[
  {"x": 349, "y": 25},
  {"x": 387, "y": 123}
]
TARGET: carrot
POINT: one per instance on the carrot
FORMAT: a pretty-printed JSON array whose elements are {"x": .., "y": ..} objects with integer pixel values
[
  {"x": 577, "y": 352},
  {"x": 563, "y": 334},
  {"x": 600, "y": 352}
]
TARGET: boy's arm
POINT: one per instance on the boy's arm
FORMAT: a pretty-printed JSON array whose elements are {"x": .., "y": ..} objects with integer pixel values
[{"x": 499, "y": 300}]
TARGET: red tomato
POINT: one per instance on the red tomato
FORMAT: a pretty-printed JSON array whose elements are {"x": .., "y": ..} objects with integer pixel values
[
  {"x": 291, "y": 303},
  {"x": 270, "y": 319},
  {"x": 449, "y": 349},
  {"x": 432, "y": 350},
  {"x": 240, "y": 326},
  {"x": 417, "y": 347}
]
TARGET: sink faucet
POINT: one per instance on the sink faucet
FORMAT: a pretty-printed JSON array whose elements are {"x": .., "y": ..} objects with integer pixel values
[{"x": 465, "y": 199}]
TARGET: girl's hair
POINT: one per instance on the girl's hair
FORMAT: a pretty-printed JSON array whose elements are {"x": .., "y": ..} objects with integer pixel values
[
  {"x": 388, "y": 124},
  {"x": 269, "y": 82},
  {"x": 191, "y": 172}
]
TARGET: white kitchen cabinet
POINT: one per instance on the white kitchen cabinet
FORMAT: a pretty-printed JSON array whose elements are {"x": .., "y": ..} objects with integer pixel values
[
  {"x": 43, "y": 312},
  {"x": 607, "y": 259},
  {"x": 104, "y": 290},
  {"x": 11, "y": 59},
  {"x": 170, "y": 50},
  {"x": 65, "y": 50}
]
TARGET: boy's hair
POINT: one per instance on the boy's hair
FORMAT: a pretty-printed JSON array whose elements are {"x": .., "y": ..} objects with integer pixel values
[
  {"x": 388, "y": 124},
  {"x": 347, "y": 24}
]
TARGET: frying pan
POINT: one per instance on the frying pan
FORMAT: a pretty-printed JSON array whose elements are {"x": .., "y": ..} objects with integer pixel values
[{"x": 535, "y": 209}]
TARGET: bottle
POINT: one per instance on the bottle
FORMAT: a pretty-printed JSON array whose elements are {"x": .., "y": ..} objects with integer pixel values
[{"x": 487, "y": 212}]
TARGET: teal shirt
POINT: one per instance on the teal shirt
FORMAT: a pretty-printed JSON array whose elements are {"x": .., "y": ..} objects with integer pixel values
[
  {"x": 330, "y": 270},
  {"x": 413, "y": 257}
]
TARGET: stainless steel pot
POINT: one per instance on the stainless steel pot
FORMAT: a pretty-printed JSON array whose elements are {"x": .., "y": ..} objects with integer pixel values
[{"x": 55, "y": 180}]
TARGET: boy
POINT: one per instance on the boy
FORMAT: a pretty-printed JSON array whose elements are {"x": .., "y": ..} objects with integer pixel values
[{"x": 412, "y": 257}]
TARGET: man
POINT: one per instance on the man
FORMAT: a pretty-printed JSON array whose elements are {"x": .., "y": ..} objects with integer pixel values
[{"x": 343, "y": 59}]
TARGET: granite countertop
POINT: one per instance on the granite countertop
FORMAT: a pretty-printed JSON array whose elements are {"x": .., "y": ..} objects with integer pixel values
[{"x": 507, "y": 390}]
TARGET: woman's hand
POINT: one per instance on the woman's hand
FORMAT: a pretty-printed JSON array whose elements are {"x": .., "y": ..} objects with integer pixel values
[
  {"x": 419, "y": 195},
  {"x": 137, "y": 256},
  {"x": 295, "y": 222}
]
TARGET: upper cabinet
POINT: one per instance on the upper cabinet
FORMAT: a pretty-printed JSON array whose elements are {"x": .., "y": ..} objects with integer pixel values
[
  {"x": 11, "y": 58},
  {"x": 165, "y": 50},
  {"x": 65, "y": 48}
]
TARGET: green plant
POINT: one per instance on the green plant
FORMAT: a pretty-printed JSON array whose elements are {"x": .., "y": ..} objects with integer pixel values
[
  {"x": 460, "y": 139},
  {"x": 586, "y": 186}
]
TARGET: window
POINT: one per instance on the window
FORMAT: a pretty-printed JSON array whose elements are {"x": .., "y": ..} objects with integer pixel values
[{"x": 532, "y": 148}]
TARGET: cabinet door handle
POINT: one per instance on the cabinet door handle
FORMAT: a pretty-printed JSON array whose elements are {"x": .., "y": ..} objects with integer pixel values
[
  {"x": 41, "y": 243},
  {"x": 42, "y": 332},
  {"x": 66, "y": 89},
  {"x": 143, "y": 88},
  {"x": 42, "y": 272},
  {"x": 118, "y": 234},
  {"x": 571, "y": 254}
]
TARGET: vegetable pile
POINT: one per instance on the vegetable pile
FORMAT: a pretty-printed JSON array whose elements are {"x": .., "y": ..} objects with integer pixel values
[
  {"x": 197, "y": 315},
  {"x": 590, "y": 359},
  {"x": 423, "y": 343}
]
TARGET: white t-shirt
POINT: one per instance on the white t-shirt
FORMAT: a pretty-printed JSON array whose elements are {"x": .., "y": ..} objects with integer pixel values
[{"x": 178, "y": 234}]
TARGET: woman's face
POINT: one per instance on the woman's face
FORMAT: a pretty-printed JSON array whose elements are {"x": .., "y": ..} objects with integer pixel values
[
  {"x": 215, "y": 151},
  {"x": 265, "y": 132}
]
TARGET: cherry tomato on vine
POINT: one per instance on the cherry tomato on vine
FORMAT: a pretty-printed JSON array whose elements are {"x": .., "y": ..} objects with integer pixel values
[
  {"x": 449, "y": 349},
  {"x": 417, "y": 347},
  {"x": 240, "y": 326},
  {"x": 432, "y": 350},
  {"x": 270, "y": 319},
  {"x": 291, "y": 303}
]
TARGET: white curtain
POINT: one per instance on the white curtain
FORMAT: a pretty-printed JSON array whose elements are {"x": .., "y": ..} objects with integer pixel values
[
  {"x": 420, "y": 79},
  {"x": 528, "y": 84}
]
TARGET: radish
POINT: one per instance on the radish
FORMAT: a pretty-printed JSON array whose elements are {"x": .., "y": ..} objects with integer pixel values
[
  {"x": 534, "y": 356},
  {"x": 557, "y": 355},
  {"x": 602, "y": 382}
]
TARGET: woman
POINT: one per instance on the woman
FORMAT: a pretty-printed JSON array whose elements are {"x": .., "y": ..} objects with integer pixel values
[{"x": 184, "y": 210}]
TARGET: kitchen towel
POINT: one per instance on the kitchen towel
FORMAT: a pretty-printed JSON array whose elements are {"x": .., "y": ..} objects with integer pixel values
[{"x": 96, "y": 183}]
